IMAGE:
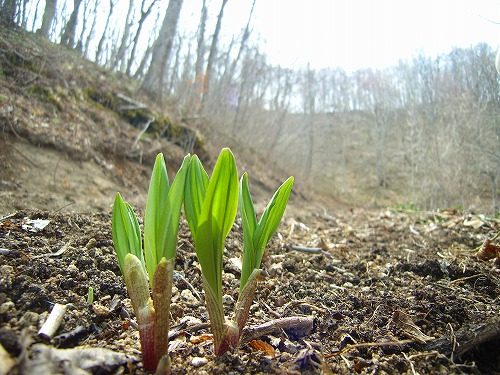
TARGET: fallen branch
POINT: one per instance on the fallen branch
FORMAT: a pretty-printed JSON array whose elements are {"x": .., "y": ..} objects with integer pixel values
[
  {"x": 295, "y": 325},
  {"x": 131, "y": 103},
  {"x": 53, "y": 322},
  {"x": 311, "y": 250},
  {"x": 467, "y": 338}
]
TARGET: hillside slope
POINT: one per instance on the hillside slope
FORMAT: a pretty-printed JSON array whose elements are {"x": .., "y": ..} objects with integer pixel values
[{"x": 72, "y": 133}]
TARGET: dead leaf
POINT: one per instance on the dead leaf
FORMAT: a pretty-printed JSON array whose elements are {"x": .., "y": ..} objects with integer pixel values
[
  {"x": 475, "y": 223},
  {"x": 201, "y": 338},
  {"x": 263, "y": 347},
  {"x": 405, "y": 323},
  {"x": 49, "y": 360},
  {"x": 487, "y": 251}
]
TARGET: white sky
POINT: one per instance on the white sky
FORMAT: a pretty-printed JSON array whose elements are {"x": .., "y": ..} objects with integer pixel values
[{"x": 356, "y": 34}]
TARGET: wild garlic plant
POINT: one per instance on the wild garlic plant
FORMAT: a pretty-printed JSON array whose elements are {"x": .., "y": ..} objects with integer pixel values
[
  {"x": 153, "y": 268},
  {"x": 256, "y": 235},
  {"x": 210, "y": 205}
]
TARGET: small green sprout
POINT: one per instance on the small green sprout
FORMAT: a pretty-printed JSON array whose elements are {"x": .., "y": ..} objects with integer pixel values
[
  {"x": 90, "y": 296},
  {"x": 210, "y": 206},
  {"x": 161, "y": 224}
]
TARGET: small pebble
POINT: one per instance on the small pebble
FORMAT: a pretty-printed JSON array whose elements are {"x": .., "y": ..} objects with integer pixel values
[
  {"x": 187, "y": 296},
  {"x": 198, "y": 361},
  {"x": 6, "y": 307},
  {"x": 227, "y": 299}
]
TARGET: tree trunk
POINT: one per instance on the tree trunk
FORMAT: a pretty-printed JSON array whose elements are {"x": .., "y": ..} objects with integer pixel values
[
  {"x": 199, "y": 79},
  {"x": 8, "y": 11},
  {"x": 68, "y": 37},
  {"x": 48, "y": 17},
  {"x": 154, "y": 80},
  {"x": 120, "y": 54},
  {"x": 243, "y": 45},
  {"x": 212, "y": 56},
  {"x": 144, "y": 15},
  {"x": 103, "y": 37}
]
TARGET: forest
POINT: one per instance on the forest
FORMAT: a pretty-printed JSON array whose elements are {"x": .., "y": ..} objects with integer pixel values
[{"x": 423, "y": 133}]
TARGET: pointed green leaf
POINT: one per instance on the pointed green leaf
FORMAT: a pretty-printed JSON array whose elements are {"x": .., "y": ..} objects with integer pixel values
[
  {"x": 249, "y": 224},
  {"x": 163, "y": 209},
  {"x": 216, "y": 219},
  {"x": 271, "y": 217},
  {"x": 267, "y": 225},
  {"x": 156, "y": 214},
  {"x": 194, "y": 192},
  {"x": 126, "y": 233},
  {"x": 175, "y": 199}
]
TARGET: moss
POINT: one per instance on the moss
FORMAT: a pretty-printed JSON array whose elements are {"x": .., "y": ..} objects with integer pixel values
[
  {"x": 47, "y": 95},
  {"x": 162, "y": 126},
  {"x": 105, "y": 99}
]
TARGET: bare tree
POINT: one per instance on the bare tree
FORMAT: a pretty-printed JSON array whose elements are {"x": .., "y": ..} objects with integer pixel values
[
  {"x": 120, "y": 53},
  {"x": 100, "y": 45},
  {"x": 212, "y": 55},
  {"x": 48, "y": 17},
  {"x": 8, "y": 11},
  {"x": 199, "y": 80},
  {"x": 68, "y": 37},
  {"x": 243, "y": 44},
  {"x": 154, "y": 80},
  {"x": 144, "y": 15},
  {"x": 309, "y": 108}
]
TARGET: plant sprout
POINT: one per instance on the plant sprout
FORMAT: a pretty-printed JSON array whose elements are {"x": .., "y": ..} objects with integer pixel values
[
  {"x": 161, "y": 224},
  {"x": 210, "y": 206},
  {"x": 256, "y": 235},
  {"x": 90, "y": 296}
]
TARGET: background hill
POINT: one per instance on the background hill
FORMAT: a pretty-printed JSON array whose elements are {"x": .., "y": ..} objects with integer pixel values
[{"x": 423, "y": 133}]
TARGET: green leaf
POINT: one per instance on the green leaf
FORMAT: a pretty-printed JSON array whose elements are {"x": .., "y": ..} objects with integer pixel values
[
  {"x": 175, "y": 200},
  {"x": 194, "y": 192},
  {"x": 257, "y": 236},
  {"x": 163, "y": 209},
  {"x": 216, "y": 219},
  {"x": 126, "y": 232},
  {"x": 210, "y": 206},
  {"x": 155, "y": 218},
  {"x": 249, "y": 224}
]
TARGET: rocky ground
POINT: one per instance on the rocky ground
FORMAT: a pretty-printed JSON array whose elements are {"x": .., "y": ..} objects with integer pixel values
[
  {"x": 385, "y": 292},
  {"x": 349, "y": 290}
]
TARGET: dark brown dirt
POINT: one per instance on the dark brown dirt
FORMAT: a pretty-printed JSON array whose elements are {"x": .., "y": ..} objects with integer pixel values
[{"x": 391, "y": 291}]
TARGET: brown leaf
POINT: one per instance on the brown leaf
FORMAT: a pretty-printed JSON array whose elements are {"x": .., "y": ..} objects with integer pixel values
[
  {"x": 263, "y": 347},
  {"x": 487, "y": 251},
  {"x": 201, "y": 338},
  {"x": 405, "y": 323}
]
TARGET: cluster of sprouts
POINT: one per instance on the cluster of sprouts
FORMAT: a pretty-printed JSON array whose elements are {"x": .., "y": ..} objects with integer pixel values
[{"x": 210, "y": 206}]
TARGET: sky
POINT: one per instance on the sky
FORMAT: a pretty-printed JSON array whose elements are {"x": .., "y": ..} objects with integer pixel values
[{"x": 356, "y": 34}]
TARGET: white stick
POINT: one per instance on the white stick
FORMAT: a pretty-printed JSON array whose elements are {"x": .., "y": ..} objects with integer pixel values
[{"x": 53, "y": 322}]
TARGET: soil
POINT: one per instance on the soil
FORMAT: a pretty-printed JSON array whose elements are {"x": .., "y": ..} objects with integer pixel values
[{"x": 381, "y": 291}]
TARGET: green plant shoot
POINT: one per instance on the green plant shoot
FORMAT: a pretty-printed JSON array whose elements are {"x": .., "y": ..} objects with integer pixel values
[
  {"x": 90, "y": 296},
  {"x": 256, "y": 235},
  {"x": 210, "y": 206},
  {"x": 161, "y": 224}
]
